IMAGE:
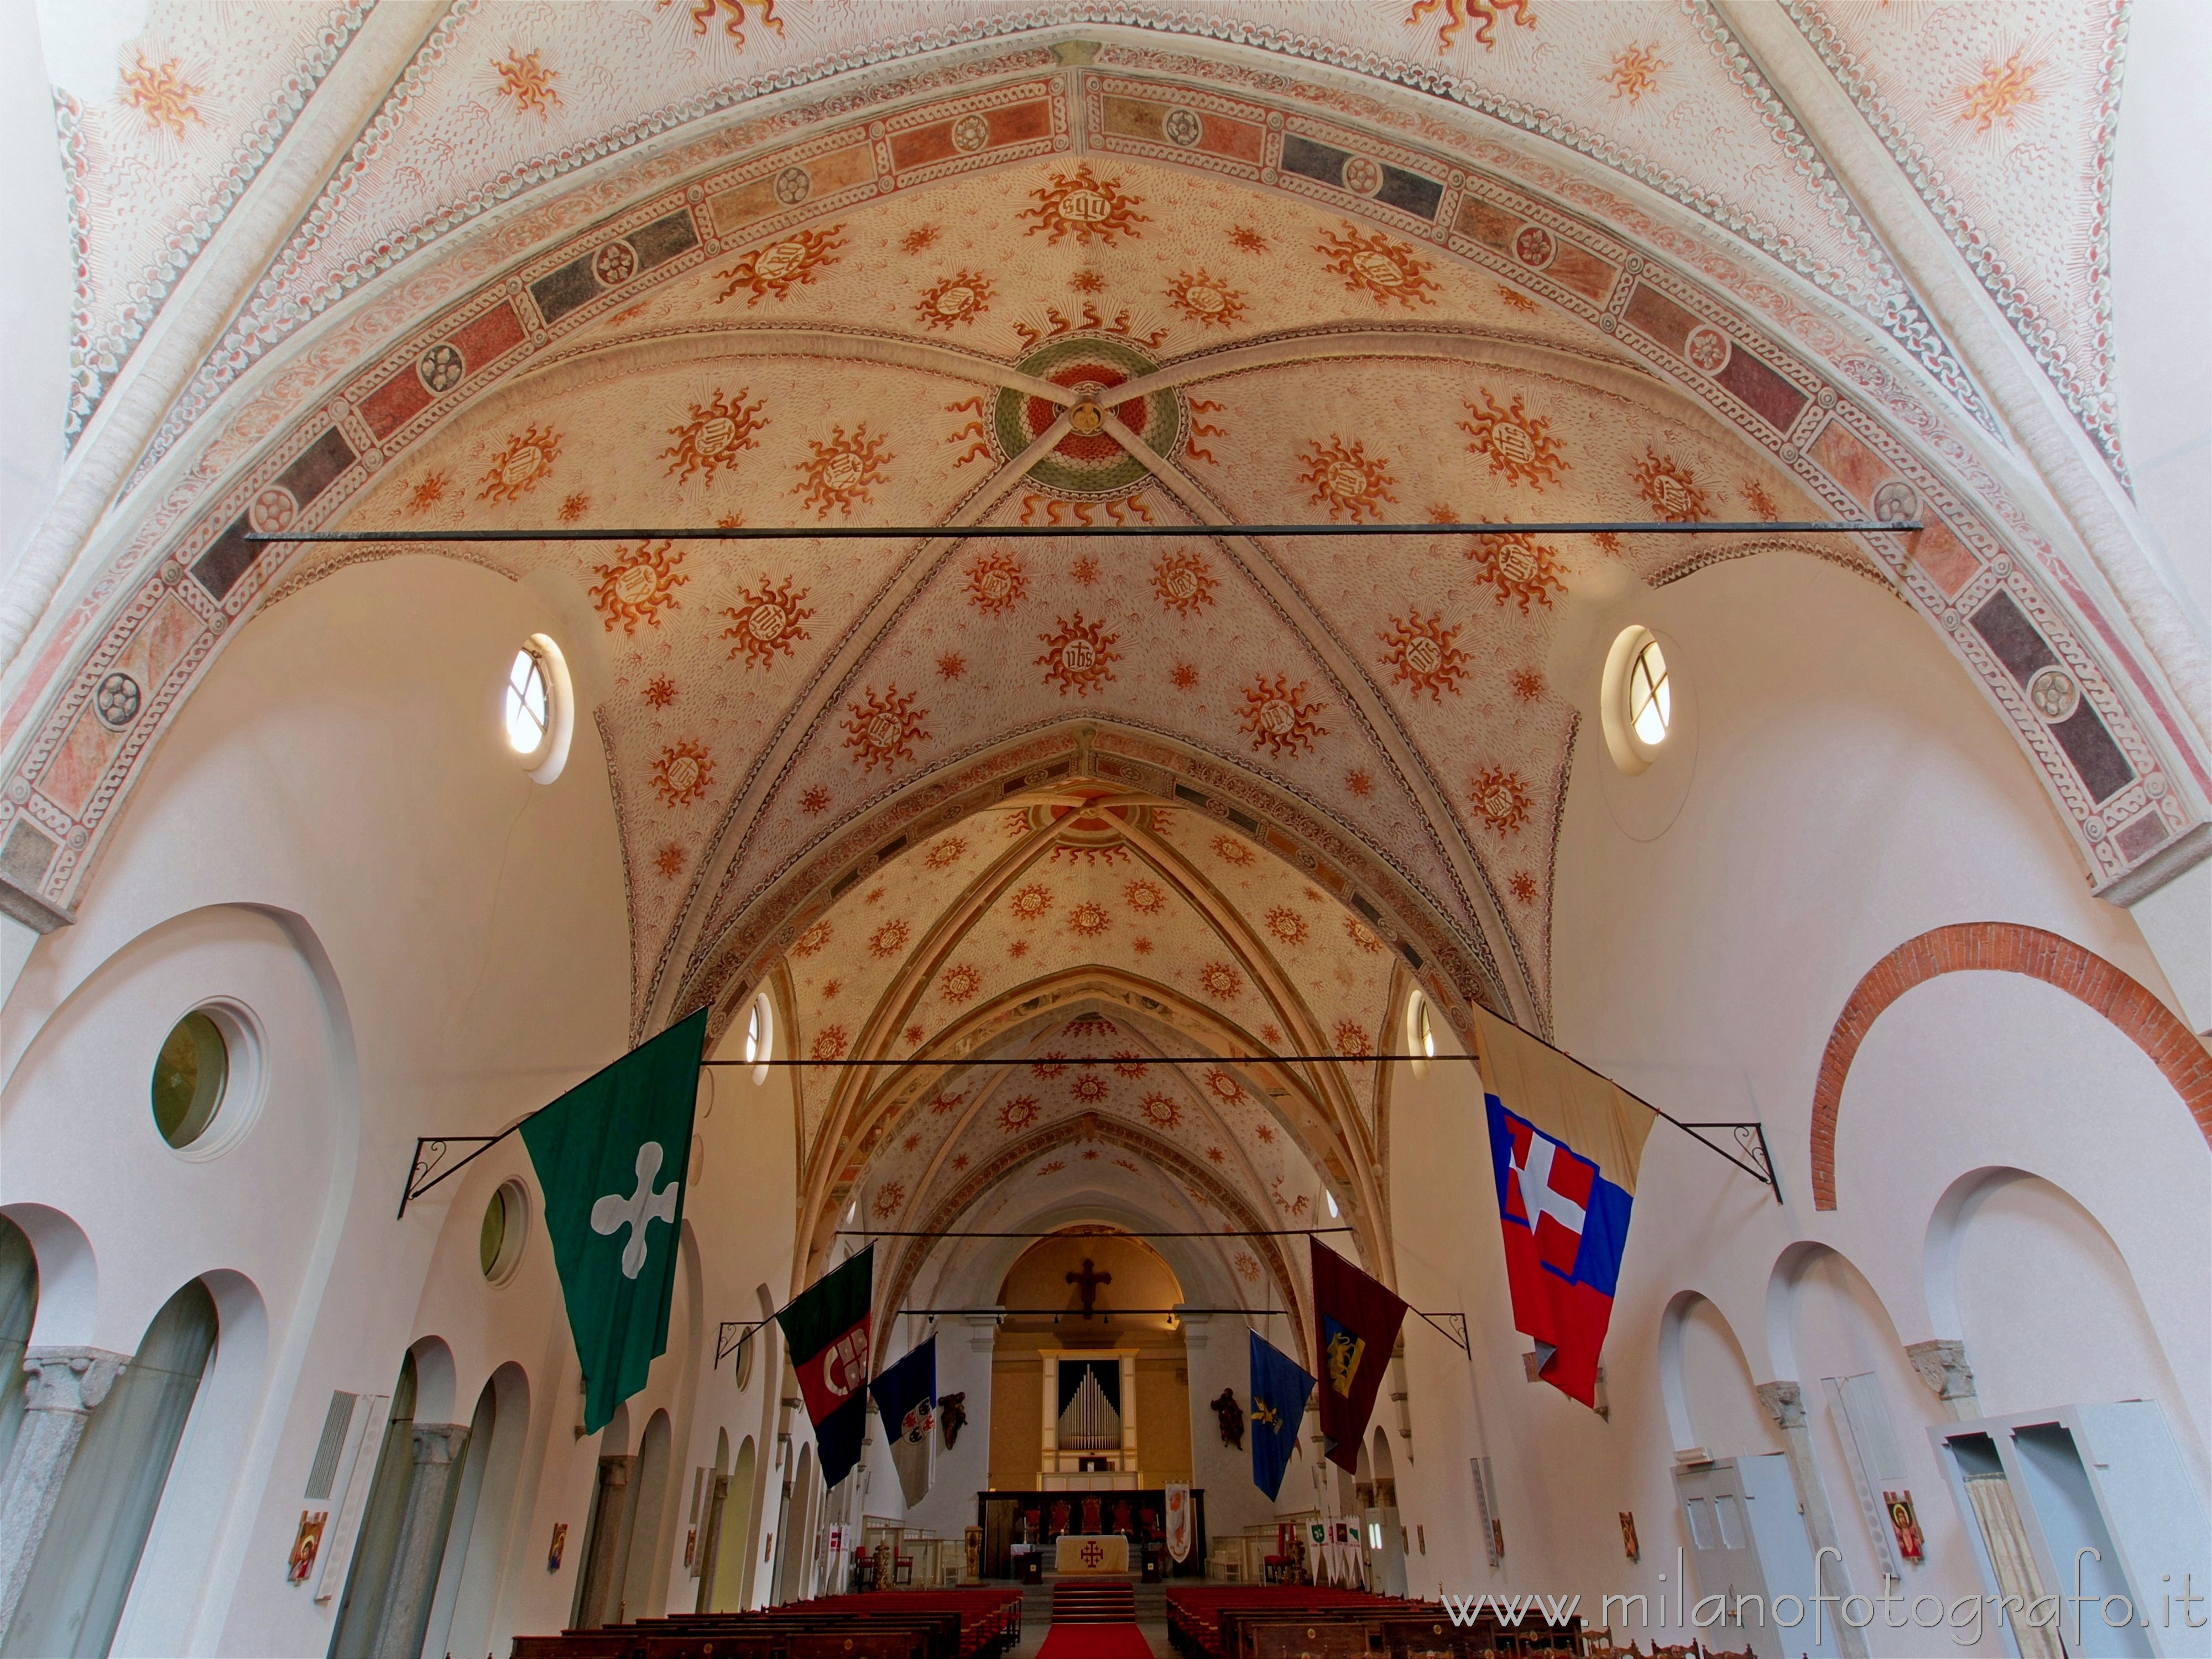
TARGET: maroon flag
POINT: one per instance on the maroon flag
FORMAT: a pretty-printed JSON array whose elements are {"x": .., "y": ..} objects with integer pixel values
[{"x": 1357, "y": 1322}]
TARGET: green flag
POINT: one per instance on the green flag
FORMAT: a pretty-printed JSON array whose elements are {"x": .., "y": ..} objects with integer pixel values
[{"x": 610, "y": 1156}]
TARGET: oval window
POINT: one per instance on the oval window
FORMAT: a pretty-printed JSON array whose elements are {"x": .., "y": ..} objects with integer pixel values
[
  {"x": 506, "y": 1227},
  {"x": 1650, "y": 699},
  {"x": 190, "y": 1075},
  {"x": 1637, "y": 700},
  {"x": 538, "y": 709},
  {"x": 529, "y": 704},
  {"x": 760, "y": 1037}
]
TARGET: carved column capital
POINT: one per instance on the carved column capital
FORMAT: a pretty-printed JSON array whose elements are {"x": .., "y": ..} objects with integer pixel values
[
  {"x": 441, "y": 1442},
  {"x": 1784, "y": 1403},
  {"x": 69, "y": 1379},
  {"x": 1942, "y": 1362}
]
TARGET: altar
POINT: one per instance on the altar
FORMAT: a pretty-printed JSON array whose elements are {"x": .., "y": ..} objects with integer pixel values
[{"x": 1085, "y": 1553}]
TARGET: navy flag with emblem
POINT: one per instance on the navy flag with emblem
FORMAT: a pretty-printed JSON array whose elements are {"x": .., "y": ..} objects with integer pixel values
[
  {"x": 1281, "y": 1389},
  {"x": 1358, "y": 1319},
  {"x": 906, "y": 1398},
  {"x": 826, "y": 1331}
]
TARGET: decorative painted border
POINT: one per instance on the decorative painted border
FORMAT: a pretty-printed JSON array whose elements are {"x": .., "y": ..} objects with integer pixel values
[
  {"x": 99, "y": 360},
  {"x": 2004, "y": 947},
  {"x": 270, "y": 315}
]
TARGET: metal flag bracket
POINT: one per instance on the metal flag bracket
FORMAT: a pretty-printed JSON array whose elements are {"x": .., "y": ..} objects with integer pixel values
[{"x": 1751, "y": 1144}]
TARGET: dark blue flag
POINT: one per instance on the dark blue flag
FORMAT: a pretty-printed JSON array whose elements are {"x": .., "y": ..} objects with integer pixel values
[
  {"x": 1281, "y": 1389},
  {"x": 906, "y": 1398}
]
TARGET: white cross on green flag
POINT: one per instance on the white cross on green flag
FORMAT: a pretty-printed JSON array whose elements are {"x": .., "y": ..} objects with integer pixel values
[{"x": 610, "y": 1156}]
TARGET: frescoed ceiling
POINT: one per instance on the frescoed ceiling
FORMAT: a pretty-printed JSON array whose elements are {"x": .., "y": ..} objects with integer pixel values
[
  {"x": 580, "y": 275},
  {"x": 1106, "y": 984}
]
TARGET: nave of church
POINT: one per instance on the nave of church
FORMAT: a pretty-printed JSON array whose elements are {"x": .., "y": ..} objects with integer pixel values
[{"x": 942, "y": 824}]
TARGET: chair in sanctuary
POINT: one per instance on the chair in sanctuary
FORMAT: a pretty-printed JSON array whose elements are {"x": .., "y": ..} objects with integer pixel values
[
  {"x": 1121, "y": 1516},
  {"x": 1282, "y": 1567},
  {"x": 1090, "y": 1506},
  {"x": 1058, "y": 1518}
]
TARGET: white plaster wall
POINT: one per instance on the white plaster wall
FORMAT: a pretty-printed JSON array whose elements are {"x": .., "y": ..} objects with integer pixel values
[
  {"x": 35, "y": 281},
  {"x": 1849, "y": 792},
  {"x": 949, "y": 1508}
]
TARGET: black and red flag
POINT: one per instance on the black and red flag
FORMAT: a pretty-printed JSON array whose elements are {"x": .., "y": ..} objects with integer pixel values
[
  {"x": 826, "y": 1330},
  {"x": 1358, "y": 1321}
]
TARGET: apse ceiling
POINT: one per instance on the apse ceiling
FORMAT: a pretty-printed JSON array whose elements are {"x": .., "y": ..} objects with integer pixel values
[{"x": 572, "y": 277}]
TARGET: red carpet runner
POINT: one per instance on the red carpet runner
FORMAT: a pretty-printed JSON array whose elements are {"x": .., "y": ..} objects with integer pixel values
[{"x": 1095, "y": 1641}]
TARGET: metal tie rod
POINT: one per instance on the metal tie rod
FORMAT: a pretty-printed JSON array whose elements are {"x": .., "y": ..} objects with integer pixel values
[{"x": 846, "y": 532}]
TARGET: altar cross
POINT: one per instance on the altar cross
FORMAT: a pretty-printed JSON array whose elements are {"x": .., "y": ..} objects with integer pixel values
[{"x": 1088, "y": 1282}]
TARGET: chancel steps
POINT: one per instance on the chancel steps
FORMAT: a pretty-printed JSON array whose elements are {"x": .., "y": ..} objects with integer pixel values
[{"x": 1094, "y": 1601}]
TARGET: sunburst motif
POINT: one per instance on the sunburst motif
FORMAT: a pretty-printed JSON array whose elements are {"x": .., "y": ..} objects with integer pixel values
[
  {"x": 1220, "y": 981},
  {"x": 1052, "y": 1065},
  {"x": 1127, "y": 1064},
  {"x": 1247, "y": 1269},
  {"x": 829, "y": 1043},
  {"x": 1224, "y": 1088},
  {"x": 1517, "y": 567},
  {"x": 1362, "y": 935},
  {"x": 944, "y": 853},
  {"x": 1089, "y": 1089},
  {"x": 1760, "y": 500},
  {"x": 1359, "y": 782},
  {"x": 1017, "y": 1114},
  {"x": 712, "y": 439},
  {"x": 1672, "y": 490},
  {"x": 1421, "y": 654},
  {"x": 660, "y": 691},
  {"x": 426, "y": 491},
  {"x": 1279, "y": 717},
  {"x": 1079, "y": 657},
  {"x": 637, "y": 589},
  {"x": 1082, "y": 205},
  {"x": 889, "y": 940},
  {"x": 1522, "y": 887},
  {"x": 1999, "y": 94},
  {"x": 669, "y": 860},
  {"x": 815, "y": 801},
  {"x": 1370, "y": 263},
  {"x": 1351, "y": 1037},
  {"x": 1230, "y": 850},
  {"x": 781, "y": 266},
  {"x": 950, "y": 666},
  {"x": 528, "y": 82},
  {"x": 957, "y": 299},
  {"x": 1288, "y": 927},
  {"x": 1183, "y": 677},
  {"x": 515, "y": 469},
  {"x": 810, "y": 942},
  {"x": 1204, "y": 300},
  {"x": 1030, "y": 903},
  {"x": 998, "y": 581},
  {"x": 1183, "y": 581},
  {"x": 840, "y": 471},
  {"x": 959, "y": 982},
  {"x": 1516, "y": 300},
  {"x": 1089, "y": 918},
  {"x": 732, "y": 14},
  {"x": 769, "y": 624},
  {"x": 1528, "y": 684},
  {"x": 1636, "y": 72},
  {"x": 682, "y": 774},
  {"x": 1145, "y": 898},
  {"x": 1250, "y": 240},
  {"x": 161, "y": 94},
  {"x": 919, "y": 238},
  {"x": 1500, "y": 799},
  {"x": 1161, "y": 1111},
  {"x": 1520, "y": 446},
  {"x": 1346, "y": 479},
  {"x": 1483, "y": 13},
  {"x": 574, "y": 508},
  {"x": 884, "y": 727},
  {"x": 944, "y": 1103},
  {"x": 891, "y": 1199}
]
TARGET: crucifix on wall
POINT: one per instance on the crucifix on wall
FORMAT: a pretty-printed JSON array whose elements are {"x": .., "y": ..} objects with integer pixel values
[{"x": 1088, "y": 1281}]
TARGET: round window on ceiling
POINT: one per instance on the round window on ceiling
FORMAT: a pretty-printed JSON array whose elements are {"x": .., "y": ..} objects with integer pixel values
[
  {"x": 190, "y": 1076},
  {"x": 1638, "y": 697},
  {"x": 760, "y": 1037},
  {"x": 506, "y": 1229},
  {"x": 539, "y": 715}
]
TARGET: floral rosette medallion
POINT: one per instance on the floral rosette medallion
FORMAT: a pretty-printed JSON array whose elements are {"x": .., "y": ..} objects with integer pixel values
[{"x": 1087, "y": 465}]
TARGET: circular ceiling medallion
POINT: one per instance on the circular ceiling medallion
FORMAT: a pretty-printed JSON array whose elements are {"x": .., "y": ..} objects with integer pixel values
[
  {"x": 792, "y": 186},
  {"x": 1895, "y": 502},
  {"x": 273, "y": 510},
  {"x": 2055, "y": 694},
  {"x": 971, "y": 133},
  {"x": 1184, "y": 127},
  {"x": 1088, "y": 463},
  {"x": 1362, "y": 176},
  {"x": 116, "y": 700},
  {"x": 1707, "y": 349},
  {"x": 441, "y": 368},
  {"x": 615, "y": 264},
  {"x": 1533, "y": 246}
]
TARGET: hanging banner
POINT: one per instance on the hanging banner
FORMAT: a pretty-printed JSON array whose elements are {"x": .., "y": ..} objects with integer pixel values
[{"x": 1179, "y": 1523}]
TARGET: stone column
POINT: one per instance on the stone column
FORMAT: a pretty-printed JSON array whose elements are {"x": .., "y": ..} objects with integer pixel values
[
  {"x": 1785, "y": 1404},
  {"x": 439, "y": 1450},
  {"x": 602, "y": 1567},
  {"x": 1942, "y": 1362},
  {"x": 65, "y": 1385}
]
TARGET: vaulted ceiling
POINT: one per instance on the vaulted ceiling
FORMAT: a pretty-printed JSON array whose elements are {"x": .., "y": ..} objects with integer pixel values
[{"x": 967, "y": 266}]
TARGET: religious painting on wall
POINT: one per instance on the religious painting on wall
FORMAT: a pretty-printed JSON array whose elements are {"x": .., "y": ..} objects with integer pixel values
[
  {"x": 1904, "y": 1525},
  {"x": 307, "y": 1545},
  {"x": 557, "y": 1547},
  {"x": 1628, "y": 1539}
]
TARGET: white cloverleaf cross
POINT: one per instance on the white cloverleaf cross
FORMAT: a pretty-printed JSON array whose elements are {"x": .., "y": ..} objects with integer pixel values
[{"x": 612, "y": 1213}]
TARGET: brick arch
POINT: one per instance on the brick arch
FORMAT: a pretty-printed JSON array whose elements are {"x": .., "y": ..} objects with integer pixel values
[{"x": 2004, "y": 947}]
